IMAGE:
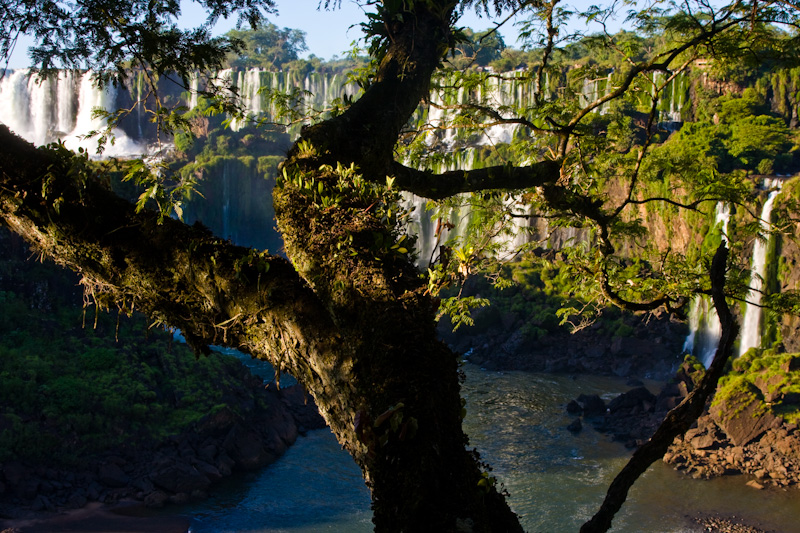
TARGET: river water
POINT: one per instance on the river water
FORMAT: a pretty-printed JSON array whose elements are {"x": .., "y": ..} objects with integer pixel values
[{"x": 517, "y": 421}]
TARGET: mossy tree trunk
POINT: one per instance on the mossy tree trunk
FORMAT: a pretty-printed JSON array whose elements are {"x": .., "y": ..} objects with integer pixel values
[{"x": 349, "y": 317}]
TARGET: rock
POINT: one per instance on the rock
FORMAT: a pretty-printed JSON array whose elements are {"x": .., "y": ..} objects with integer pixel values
[
  {"x": 28, "y": 488},
  {"x": 754, "y": 484},
  {"x": 791, "y": 364},
  {"x": 207, "y": 453},
  {"x": 690, "y": 434},
  {"x": 111, "y": 475},
  {"x": 143, "y": 484},
  {"x": 198, "y": 495},
  {"x": 574, "y": 408},
  {"x": 94, "y": 490},
  {"x": 218, "y": 422},
  {"x": 703, "y": 442},
  {"x": 575, "y": 426},
  {"x": 179, "y": 498},
  {"x": 638, "y": 397},
  {"x": 210, "y": 471},
  {"x": 41, "y": 503},
  {"x": 175, "y": 476},
  {"x": 593, "y": 405},
  {"x": 14, "y": 473},
  {"x": 77, "y": 500},
  {"x": 743, "y": 417},
  {"x": 225, "y": 464},
  {"x": 246, "y": 448},
  {"x": 156, "y": 499},
  {"x": 770, "y": 386}
]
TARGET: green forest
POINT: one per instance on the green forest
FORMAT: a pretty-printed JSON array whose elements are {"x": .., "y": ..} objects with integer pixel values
[{"x": 337, "y": 218}]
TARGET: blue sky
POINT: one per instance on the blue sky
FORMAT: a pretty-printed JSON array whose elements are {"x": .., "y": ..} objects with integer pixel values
[{"x": 328, "y": 33}]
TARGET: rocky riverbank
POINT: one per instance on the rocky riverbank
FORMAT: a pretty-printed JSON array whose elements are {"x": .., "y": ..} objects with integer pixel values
[
  {"x": 175, "y": 470},
  {"x": 741, "y": 433},
  {"x": 646, "y": 347}
]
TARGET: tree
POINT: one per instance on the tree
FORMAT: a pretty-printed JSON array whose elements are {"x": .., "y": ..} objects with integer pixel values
[
  {"x": 477, "y": 49},
  {"x": 349, "y": 314},
  {"x": 267, "y": 47}
]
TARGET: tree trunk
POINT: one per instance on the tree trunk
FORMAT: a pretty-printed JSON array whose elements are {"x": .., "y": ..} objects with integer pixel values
[
  {"x": 392, "y": 397},
  {"x": 349, "y": 318}
]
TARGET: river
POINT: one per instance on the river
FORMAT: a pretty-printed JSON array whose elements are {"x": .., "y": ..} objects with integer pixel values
[{"x": 517, "y": 421}]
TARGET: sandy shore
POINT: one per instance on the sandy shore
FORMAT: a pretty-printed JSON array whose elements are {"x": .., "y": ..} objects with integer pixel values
[{"x": 99, "y": 518}]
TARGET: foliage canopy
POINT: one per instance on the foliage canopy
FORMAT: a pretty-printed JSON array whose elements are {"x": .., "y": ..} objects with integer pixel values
[{"x": 350, "y": 316}]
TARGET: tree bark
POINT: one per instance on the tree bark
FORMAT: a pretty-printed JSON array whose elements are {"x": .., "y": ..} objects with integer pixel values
[{"x": 349, "y": 317}]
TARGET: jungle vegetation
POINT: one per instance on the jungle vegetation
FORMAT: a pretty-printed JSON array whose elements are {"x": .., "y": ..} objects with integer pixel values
[{"x": 348, "y": 313}]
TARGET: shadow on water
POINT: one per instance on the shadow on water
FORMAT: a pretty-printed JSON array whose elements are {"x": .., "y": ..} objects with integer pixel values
[
  {"x": 517, "y": 421},
  {"x": 315, "y": 486}
]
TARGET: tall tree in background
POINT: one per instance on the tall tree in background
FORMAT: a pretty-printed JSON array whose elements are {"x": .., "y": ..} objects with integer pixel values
[
  {"x": 349, "y": 315},
  {"x": 267, "y": 47}
]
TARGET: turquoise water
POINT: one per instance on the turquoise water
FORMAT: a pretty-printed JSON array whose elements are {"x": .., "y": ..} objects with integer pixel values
[{"x": 517, "y": 421}]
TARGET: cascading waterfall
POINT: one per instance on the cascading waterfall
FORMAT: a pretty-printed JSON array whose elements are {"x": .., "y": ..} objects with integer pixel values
[
  {"x": 253, "y": 86},
  {"x": 194, "y": 89},
  {"x": 751, "y": 325},
  {"x": 61, "y": 108},
  {"x": 46, "y": 110},
  {"x": 705, "y": 328}
]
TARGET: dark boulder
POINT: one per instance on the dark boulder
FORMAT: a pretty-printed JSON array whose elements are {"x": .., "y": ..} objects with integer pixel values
[
  {"x": 575, "y": 426},
  {"x": 246, "y": 448},
  {"x": 639, "y": 400},
  {"x": 175, "y": 475},
  {"x": 593, "y": 405},
  {"x": 111, "y": 475},
  {"x": 574, "y": 408}
]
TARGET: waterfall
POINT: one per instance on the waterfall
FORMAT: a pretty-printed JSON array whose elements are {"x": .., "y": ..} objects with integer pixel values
[
  {"x": 704, "y": 326},
  {"x": 751, "y": 325},
  {"x": 140, "y": 92},
  {"x": 194, "y": 89},
  {"x": 43, "y": 111}
]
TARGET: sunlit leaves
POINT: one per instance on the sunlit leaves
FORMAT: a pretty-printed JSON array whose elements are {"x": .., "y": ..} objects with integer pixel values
[
  {"x": 459, "y": 310},
  {"x": 160, "y": 187}
]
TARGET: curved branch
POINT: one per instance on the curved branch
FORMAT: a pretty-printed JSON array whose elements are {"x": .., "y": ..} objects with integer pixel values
[
  {"x": 439, "y": 186},
  {"x": 612, "y": 295},
  {"x": 681, "y": 417}
]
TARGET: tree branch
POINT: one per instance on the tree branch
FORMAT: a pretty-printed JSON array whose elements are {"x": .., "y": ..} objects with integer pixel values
[
  {"x": 438, "y": 186},
  {"x": 681, "y": 417},
  {"x": 180, "y": 275}
]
